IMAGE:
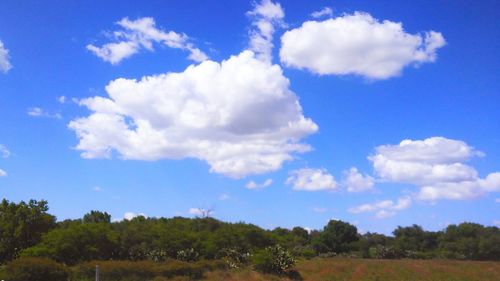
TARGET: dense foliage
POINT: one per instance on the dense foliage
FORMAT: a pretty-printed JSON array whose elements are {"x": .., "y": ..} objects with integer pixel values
[
  {"x": 22, "y": 226},
  {"x": 27, "y": 230}
]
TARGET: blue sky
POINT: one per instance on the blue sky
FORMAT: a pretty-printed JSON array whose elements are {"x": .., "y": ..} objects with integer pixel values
[{"x": 377, "y": 113}]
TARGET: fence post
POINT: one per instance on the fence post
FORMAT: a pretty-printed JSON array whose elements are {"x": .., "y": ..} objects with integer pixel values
[{"x": 96, "y": 273}]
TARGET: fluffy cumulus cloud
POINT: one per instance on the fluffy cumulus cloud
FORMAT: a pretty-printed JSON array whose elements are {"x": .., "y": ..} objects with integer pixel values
[
  {"x": 437, "y": 166},
  {"x": 254, "y": 185},
  {"x": 325, "y": 12},
  {"x": 354, "y": 181},
  {"x": 4, "y": 59},
  {"x": 136, "y": 35},
  {"x": 238, "y": 115},
  {"x": 266, "y": 16},
  {"x": 357, "y": 44},
  {"x": 383, "y": 209},
  {"x": 3, "y": 173},
  {"x": 311, "y": 180}
]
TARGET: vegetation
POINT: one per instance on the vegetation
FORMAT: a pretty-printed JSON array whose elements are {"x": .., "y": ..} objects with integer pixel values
[{"x": 32, "y": 242}]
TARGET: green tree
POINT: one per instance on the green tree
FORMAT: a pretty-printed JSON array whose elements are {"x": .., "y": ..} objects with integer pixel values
[
  {"x": 22, "y": 226},
  {"x": 415, "y": 238},
  {"x": 97, "y": 217},
  {"x": 337, "y": 236},
  {"x": 77, "y": 243}
]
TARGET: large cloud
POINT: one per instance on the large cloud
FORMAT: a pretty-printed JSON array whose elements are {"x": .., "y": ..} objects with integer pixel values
[
  {"x": 5, "y": 64},
  {"x": 238, "y": 115},
  {"x": 436, "y": 165},
  {"x": 357, "y": 44},
  {"x": 141, "y": 34}
]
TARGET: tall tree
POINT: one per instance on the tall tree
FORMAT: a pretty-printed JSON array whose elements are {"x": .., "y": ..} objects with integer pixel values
[
  {"x": 337, "y": 237},
  {"x": 22, "y": 226}
]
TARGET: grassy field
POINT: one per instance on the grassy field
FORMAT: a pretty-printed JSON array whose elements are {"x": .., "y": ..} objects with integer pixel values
[{"x": 337, "y": 269}]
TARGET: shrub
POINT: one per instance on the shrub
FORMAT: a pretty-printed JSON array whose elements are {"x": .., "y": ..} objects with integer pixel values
[
  {"x": 36, "y": 269},
  {"x": 383, "y": 252},
  {"x": 234, "y": 258},
  {"x": 274, "y": 259},
  {"x": 188, "y": 255}
]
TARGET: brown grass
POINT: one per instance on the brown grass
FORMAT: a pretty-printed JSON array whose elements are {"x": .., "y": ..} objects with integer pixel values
[{"x": 340, "y": 269}]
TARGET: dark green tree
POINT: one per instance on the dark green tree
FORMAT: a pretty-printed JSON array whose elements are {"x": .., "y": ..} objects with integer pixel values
[
  {"x": 97, "y": 217},
  {"x": 337, "y": 236},
  {"x": 22, "y": 226}
]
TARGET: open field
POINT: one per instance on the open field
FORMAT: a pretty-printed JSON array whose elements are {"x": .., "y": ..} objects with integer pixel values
[{"x": 337, "y": 269}]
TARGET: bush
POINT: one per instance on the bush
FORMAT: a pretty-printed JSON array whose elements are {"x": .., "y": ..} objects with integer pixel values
[
  {"x": 188, "y": 255},
  {"x": 274, "y": 259},
  {"x": 234, "y": 258},
  {"x": 36, "y": 269}
]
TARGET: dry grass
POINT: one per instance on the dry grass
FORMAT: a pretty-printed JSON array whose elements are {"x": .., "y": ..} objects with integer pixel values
[{"x": 338, "y": 269}]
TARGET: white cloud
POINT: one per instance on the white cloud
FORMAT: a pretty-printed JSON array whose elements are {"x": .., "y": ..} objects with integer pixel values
[
  {"x": 383, "y": 209},
  {"x": 131, "y": 215},
  {"x": 224, "y": 197},
  {"x": 497, "y": 200},
  {"x": 139, "y": 34},
  {"x": 3, "y": 173},
  {"x": 200, "y": 212},
  {"x": 319, "y": 210},
  {"x": 266, "y": 16},
  {"x": 326, "y": 11},
  {"x": 4, "y": 151},
  {"x": 254, "y": 185},
  {"x": 5, "y": 64},
  {"x": 436, "y": 165},
  {"x": 61, "y": 99},
  {"x": 356, "y": 182},
  {"x": 311, "y": 180},
  {"x": 357, "y": 44},
  {"x": 97, "y": 188},
  {"x": 238, "y": 115},
  {"x": 39, "y": 112},
  {"x": 496, "y": 223}
]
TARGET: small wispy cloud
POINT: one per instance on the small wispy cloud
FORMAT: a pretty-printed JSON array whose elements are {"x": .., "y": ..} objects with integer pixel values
[
  {"x": 5, "y": 64},
  {"x": 326, "y": 11},
  {"x": 383, "y": 209},
  {"x": 201, "y": 212},
  {"x": 224, "y": 197},
  {"x": 140, "y": 34},
  {"x": 4, "y": 151},
  {"x": 254, "y": 185},
  {"x": 62, "y": 99},
  {"x": 319, "y": 209},
  {"x": 41, "y": 113}
]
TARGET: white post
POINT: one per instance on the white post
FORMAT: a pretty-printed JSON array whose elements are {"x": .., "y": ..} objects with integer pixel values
[{"x": 96, "y": 273}]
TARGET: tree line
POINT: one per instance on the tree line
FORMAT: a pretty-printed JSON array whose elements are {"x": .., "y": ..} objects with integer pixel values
[{"x": 29, "y": 230}]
